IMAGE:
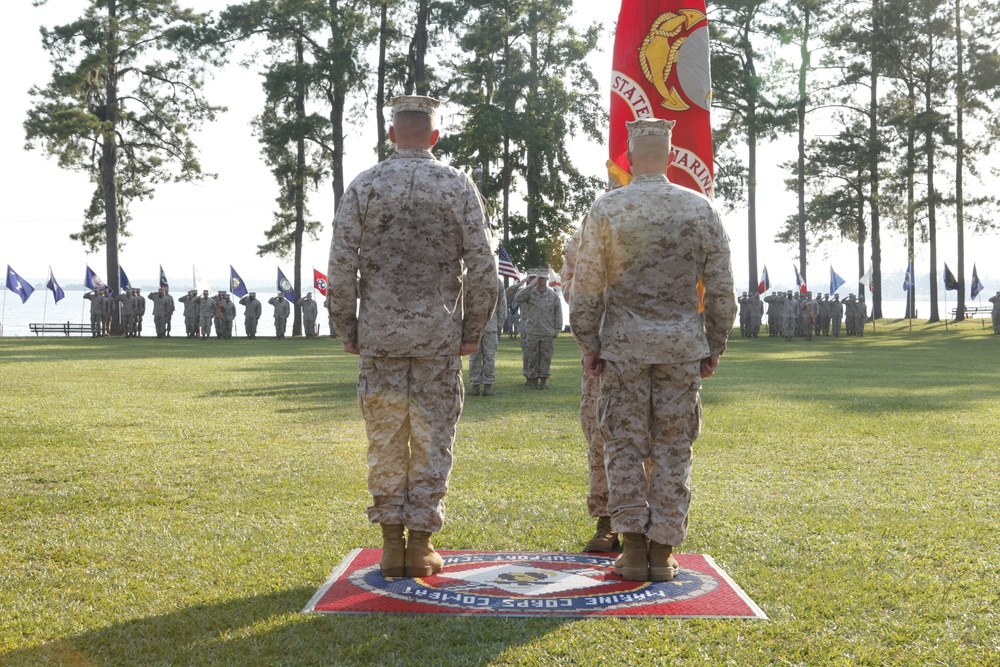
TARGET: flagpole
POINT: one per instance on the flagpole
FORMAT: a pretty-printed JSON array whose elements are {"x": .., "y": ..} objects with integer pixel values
[
  {"x": 979, "y": 298},
  {"x": 45, "y": 305},
  {"x": 3, "y": 312},
  {"x": 946, "y": 308}
]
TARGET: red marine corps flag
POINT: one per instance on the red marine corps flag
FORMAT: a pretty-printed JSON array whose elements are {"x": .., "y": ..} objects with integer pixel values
[{"x": 661, "y": 69}]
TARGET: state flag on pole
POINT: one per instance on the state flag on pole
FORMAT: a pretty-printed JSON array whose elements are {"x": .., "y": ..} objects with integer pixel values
[
  {"x": 123, "y": 280},
  {"x": 319, "y": 282},
  {"x": 236, "y": 285},
  {"x": 909, "y": 280},
  {"x": 18, "y": 285},
  {"x": 950, "y": 281},
  {"x": 94, "y": 283},
  {"x": 798, "y": 280},
  {"x": 57, "y": 291},
  {"x": 163, "y": 279},
  {"x": 285, "y": 287},
  {"x": 505, "y": 267},
  {"x": 661, "y": 69},
  {"x": 977, "y": 286},
  {"x": 835, "y": 280},
  {"x": 765, "y": 282}
]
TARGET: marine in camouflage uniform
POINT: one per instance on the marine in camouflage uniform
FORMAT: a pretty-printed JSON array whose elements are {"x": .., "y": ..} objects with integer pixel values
[
  {"x": 163, "y": 310},
  {"x": 206, "y": 313},
  {"x": 483, "y": 362},
  {"x": 190, "y": 301},
  {"x": 789, "y": 315},
  {"x": 282, "y": 310},
  {"x": 251, "y": 313},
  {"x": 542, "y": 320},
  {"x": 995, "y": 313},
  {"x": 228, "y": 310},
  {"x": 775, "y": 302},
  {"x": 634, "y": 312},
  {"x": 836, "y": 315},
  {"x": 309, "y": 313},
  {"x": 127, "y": 300},
  {"x": 99, "y": 308},
  {"x": 604, "y": 539},
  {"x": 411, "y": 327}
]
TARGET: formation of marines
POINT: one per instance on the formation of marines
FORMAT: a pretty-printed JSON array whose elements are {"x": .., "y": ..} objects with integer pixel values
[
  {"x": 201, "y": 313},
  {"x": 799, "y": 314}
]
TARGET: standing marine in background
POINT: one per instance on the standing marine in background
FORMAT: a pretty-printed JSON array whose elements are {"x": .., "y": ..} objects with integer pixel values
[
  {"x": 251, "y": 314},
  {"x": 206, "y": 313},
  {"x": 309, "y": 314},
  {"x": 542, "y": 320},
  {"x": 411, "y": 328},
  {"x": 190, "y": 301},
  {"x": 163, "y": 310},
  {"x": 282, "y": 310},
  {"x": 483, "y": 362}
]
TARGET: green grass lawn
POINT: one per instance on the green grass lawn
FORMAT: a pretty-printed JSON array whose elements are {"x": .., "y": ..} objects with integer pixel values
[{"x": 178, "y": 502}]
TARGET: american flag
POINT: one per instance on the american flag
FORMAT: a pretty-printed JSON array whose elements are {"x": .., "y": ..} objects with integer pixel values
[{"x": 506, "y": 267}]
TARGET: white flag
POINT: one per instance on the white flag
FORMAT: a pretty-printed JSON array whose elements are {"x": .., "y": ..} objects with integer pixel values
[{"x": 200, "y": 284}]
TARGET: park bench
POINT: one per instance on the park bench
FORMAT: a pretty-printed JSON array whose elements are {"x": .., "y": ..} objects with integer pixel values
[
  {"x": 974, "y": 310},
  {"x": 65, "y": 328}
]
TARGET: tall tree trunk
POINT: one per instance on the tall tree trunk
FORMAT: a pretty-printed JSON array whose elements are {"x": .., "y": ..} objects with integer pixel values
[
  {"x": 109, "y": 165},
  {"x": 752, "y": 196},
  {"x": 337, "y": 97},
  {"x": 911, "y": 199},
  {"x": 932, "y": 215},
  {"x": 300, "y": 184},
  {"x": 530, "y": 159},
  {"x": 801, "y": 185},
  {"x": 959, "y": 161},
  {"x": 874, "y": 164},
  {"x": 383, "y": 40},
  {"x": 418, "y": 52}
]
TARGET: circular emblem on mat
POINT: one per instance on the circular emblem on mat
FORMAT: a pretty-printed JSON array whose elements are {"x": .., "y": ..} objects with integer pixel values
[{"x": 534, "y": 584}]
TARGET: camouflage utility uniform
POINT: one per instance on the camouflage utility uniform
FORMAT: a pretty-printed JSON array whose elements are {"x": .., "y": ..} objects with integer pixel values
[
  {"x": 408, "y": 211},
  {"x": 483, "y": 362},
  {"x": 541, "y": 321},
  {"x": 635, "y": 303},
  {"x": 251, "y": 314}
]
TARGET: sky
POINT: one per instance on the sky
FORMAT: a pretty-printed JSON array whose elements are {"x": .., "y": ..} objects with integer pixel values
[{"x": 219, "y": 222}]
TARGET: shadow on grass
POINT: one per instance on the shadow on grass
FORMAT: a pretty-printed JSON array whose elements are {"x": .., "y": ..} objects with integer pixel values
[
  {"x": 267, "y": 630},
  {"x": 88, "y": 349}
]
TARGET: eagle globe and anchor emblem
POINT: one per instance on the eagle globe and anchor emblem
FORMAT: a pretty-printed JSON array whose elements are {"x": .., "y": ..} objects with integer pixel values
[
  {"x": 678, "y": 40},
  {"x": 534, "y": 584}
]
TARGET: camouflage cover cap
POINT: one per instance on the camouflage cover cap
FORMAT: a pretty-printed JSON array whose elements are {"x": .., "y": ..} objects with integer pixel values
[
  {"x": 419, "y": 103},
  {"x": 649, "y": 127}
]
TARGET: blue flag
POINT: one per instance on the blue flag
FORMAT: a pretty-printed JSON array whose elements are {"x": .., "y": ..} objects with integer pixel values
[
  {"x": 18, "y": 285},
  {"x": 57, "y": 292},
  {"x": 236, "y": 285},
  {"x": 950, "y": 281},
  {"x": 123, "y": 279},
  {"x": 909, "y": 280},
  {"x": 977, "y": 286},
  {"x": 835, "y": 280},
  {"x": 163, "y": 279},
  {"x": 94, "y": 283},
  {"x": 286, "y": 287}
]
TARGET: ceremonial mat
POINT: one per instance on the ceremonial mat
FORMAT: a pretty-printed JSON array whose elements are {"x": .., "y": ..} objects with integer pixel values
[{"x": 532, "y": 584}]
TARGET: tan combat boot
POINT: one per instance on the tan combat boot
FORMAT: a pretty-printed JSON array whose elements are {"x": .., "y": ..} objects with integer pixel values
[
  {"x": 421, "y": 559},
  {"x": 662, "y": 565},
  {"x": 487, "y": 390},
  {"x": 532, "y": 383},
  {"x": 393, "y": 550},
  {"x": 475, "y": 390},
  {"x": 541, "y": 383},
  {"x": 633, "y": 564},
  {"x": 604, "y": 540}
]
